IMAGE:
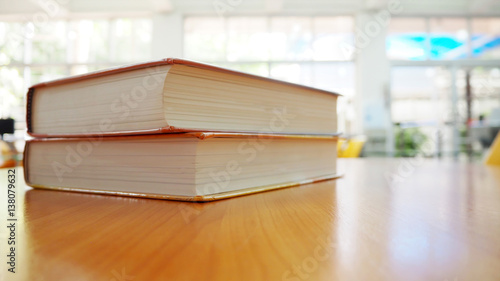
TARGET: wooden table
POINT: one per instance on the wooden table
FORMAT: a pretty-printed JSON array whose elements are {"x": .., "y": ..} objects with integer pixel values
[{"x": 387, "y": 219}]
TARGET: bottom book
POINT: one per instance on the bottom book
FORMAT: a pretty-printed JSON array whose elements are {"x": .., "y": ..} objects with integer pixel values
[{"x": 186, "y": 166}]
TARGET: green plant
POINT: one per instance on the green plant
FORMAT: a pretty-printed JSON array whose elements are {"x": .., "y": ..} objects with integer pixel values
[{"x": 408, "y": 141}]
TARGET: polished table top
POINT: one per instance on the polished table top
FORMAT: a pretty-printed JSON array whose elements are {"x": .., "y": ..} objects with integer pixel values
[{"x": 387, "y": 219}]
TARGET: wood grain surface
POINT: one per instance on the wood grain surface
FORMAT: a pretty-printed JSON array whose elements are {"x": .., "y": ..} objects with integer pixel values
[{"x": 387, "y": 219}]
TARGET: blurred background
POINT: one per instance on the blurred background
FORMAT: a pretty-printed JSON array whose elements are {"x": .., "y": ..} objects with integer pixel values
[{"x": 418, "y": 78}]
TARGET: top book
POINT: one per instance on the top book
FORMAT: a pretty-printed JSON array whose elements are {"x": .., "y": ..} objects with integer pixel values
[{"x": 176, "y": 95}]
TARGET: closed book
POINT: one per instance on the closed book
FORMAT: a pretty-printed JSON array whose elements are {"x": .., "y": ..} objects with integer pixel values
[
  {"x": 175, "y": 95},
  {"x": 200, "y": 166}
]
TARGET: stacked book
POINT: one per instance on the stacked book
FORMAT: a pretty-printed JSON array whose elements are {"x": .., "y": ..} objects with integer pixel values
[{"x": 177, "y": 129}]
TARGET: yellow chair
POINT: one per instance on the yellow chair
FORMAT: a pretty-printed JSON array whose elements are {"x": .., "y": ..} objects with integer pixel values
[
  {"x": 7, "y": 155},
  {"x": 350, "y": 148},
  {"x": 493, "y": 157}
]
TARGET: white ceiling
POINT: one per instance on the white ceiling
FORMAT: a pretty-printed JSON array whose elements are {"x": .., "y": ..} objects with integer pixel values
[{"x": 16, "y": 8}]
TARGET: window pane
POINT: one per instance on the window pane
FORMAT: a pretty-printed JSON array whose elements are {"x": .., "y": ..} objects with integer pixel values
[
  {"x": 11, "y": 42},
  {"x": 130, "y": 40},
  {"x": 143, "y": 30},
  {"x": 79, "y": 69},
  {"x": 299, "y": 73},
  {"x": 485, "y": 89},
  {"x": 486, "y": 82},
  {"x": 42, "y": 74},
  {"x": 246, "y": 39},
  {"x": 88, "y": 41},
  {"x": 82, "y": 69},
  {"x": 406, "y": 39},
  {"x": 122, "y": 40},
  {"x": 291, "y": 38},
  {"x": 338, "y": 77},
  {"x": 11, "y": 90},
  {"x": 486, "y": 38},
  {"x": 332, "y": 38},
  {"x": 420, "y": 94},
  {"x": 421, "y": 103},
  {"x": 253, "y": 38},
  {"x": 204, "y": 39},
  {"x": 335, "y": 76},
  {"x": 49, "y": 42},
  {"x": 252, "y": 68},
  {"x": 449, "y": 38}
]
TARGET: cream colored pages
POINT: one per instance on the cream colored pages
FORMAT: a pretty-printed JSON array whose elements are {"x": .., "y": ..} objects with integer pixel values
[
  {"x": 178, "y": 166},
  {"x": 203, "y": 99},
  {"x": 126, "y": 101}
]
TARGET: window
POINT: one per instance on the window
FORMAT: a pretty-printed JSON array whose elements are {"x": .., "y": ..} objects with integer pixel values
[
  {"x": 443, "y": 38},
  {"x": 30, "y": 54},
  {"x": 421, "y": 103},
  {"x": 235, "y": 39},
  {"x": 485, "y": 38},
  {"x": 299, "y": 49},
  {"x": 485, "y": 89},
  {"x": 420, "y": 94},
  {"x": 428, "y": 97},
  {"x": 448, "y": 38},
  {"x": 407, "y": 39}
]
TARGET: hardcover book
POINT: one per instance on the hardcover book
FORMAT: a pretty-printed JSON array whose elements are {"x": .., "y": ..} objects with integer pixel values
[
  {"x": 175, "y": 95},
  {"x": 199, "y": 166}
]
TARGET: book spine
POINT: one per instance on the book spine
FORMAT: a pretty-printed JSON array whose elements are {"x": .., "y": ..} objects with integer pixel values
[
  {"x": 25, "y": 164},
  {"x": 29, "y": 102}
]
